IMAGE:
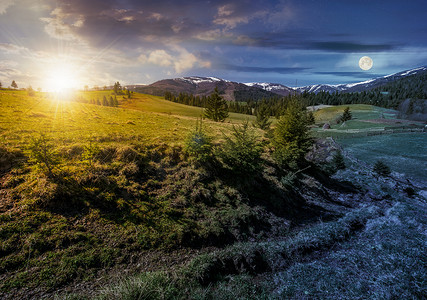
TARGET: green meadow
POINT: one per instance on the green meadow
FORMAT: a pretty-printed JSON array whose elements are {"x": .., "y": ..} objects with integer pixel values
[{"x": 366, "y": 120}]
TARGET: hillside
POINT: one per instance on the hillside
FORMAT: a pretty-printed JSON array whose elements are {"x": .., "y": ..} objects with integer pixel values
[
  {"x": 87, "y": 190},
  {"x": 110, "y": 198}
]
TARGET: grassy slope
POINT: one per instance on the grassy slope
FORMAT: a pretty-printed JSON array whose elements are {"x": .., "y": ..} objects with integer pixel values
[
  {"x": 145, "y": 117},
  {"x": 136, "y": 193},
  {"x": 149, "y": 103}
]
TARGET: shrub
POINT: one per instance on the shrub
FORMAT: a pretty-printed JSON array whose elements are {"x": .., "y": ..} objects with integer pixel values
[
  {"x": 198, "y": 144},
  {"x": 43, "y": 153},
  {"x": 242, "y": 153},
  {"x": 381, "y": 168},
  {"x": 338, "y": 161}
]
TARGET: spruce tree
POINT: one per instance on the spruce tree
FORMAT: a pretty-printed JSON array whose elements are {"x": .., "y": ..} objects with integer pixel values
[
  {"x": 346, "y": 114},
  {"x": 216, "y": 107},
  {"x": 381, "y": 168},
  {"x": 262, "y": 118},
  {"x": 338, "y": 161},
  {"x": 292, "y": 138}
]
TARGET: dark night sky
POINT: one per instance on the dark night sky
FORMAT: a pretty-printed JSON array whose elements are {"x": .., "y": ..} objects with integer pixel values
[{"x": 308, "y": 42}]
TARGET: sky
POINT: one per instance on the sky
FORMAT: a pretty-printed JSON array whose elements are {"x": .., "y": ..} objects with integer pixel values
[{"x": 293, "y": 42}]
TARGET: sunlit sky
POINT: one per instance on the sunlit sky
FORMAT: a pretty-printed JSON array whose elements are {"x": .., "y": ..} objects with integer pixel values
[{"x": 295, "y": 42}]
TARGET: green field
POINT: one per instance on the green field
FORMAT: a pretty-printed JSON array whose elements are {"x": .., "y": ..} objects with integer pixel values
[
  {"x": 144, "y": 117},
  {"x": 366, "y": 120}
]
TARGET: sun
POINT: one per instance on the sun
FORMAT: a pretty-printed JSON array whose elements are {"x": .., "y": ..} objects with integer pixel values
[{"x": 61, "y": 78}]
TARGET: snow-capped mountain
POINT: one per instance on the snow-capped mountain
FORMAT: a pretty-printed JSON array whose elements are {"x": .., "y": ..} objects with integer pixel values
[
  {"x": 230, "y": 90},
  {"x": 276, "y": 88},
  {"x": 204, "y": 86},
  {"x": 197, "y": 80},
  {"x": 360, "y": 86}
]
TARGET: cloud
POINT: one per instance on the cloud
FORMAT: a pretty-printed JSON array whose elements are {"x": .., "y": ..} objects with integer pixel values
[
  {"x": 4, "y": 5},
  {"x": 282, "y": 15},
  {"x": 231, "y": 15},
  {"x": 280, "y": 70},
  {"x": 351, "y": 46},
  {"x": 359, "y": 74},
  {"x": 157, "y": 57},
  {"x": 227, "y": 16},
  {"x": 11, "y": 48},
  {"x": 62, "y": 25},
  {"x": 180, "y": 59}
]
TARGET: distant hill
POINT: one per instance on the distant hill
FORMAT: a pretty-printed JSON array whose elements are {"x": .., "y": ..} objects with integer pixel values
[{"x": 204, "y": 86}]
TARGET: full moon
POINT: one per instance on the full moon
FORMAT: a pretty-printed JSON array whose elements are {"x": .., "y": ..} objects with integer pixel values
[{"x": 365, "y": 63}]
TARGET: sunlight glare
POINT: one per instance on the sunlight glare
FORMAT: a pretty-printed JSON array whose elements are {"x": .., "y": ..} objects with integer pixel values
[{"x": 61, "y": 78}]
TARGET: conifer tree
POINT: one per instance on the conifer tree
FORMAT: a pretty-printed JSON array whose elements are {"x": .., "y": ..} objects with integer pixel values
[
  {"x": 381, "y": 168},
  {"x": 216, "y": 107},
  {"x": 338, "y": 161},
  {"x": 346, "y": 114},
  {"x": 292, "y": 139},
  {"x": 262, "y": 118}
]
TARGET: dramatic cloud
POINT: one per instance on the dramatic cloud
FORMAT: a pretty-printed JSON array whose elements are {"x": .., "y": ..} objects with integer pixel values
[{"x": 278, "y": 40}]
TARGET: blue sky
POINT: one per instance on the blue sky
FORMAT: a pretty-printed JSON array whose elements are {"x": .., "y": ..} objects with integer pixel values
[{"x": 291, "y": 42}]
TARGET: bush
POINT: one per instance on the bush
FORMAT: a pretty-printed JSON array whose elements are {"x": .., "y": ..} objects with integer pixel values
[
  {"x": 43, "y": 153},
  {"x": 198, "y": 144},
  {"x": 338, "y": 161},
  {"x": 242, "y": 153},
  {"x": 381, "y": 168}
]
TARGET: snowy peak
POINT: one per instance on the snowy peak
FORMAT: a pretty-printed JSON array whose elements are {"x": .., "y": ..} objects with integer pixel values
[
  {"x": 198, "y": 80},
  {"x": 360, "y": 86},
  {"x": 276, "y": 88}
]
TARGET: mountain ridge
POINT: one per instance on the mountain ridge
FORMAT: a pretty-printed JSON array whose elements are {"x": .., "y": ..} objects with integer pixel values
[{"x": 237, "y": 91}]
